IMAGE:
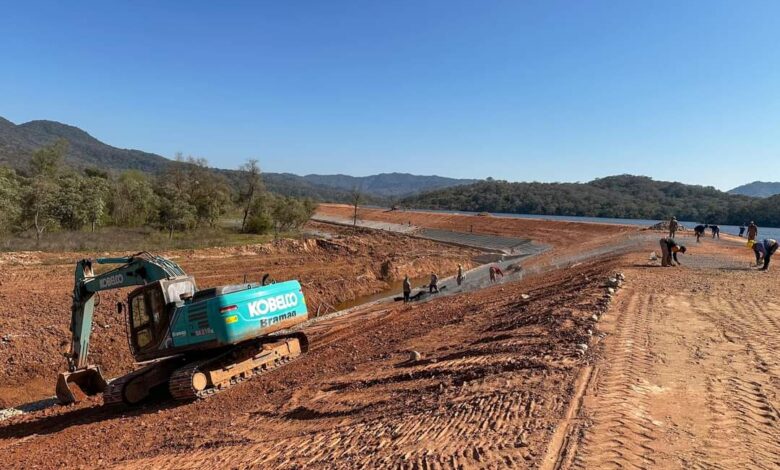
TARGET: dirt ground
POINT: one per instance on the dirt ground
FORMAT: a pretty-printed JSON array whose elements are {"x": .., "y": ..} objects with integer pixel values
[
  {"x": 35, "y": 293},
  {"x": 555, "y": 233},
  {"x": 678, "y": 369}
]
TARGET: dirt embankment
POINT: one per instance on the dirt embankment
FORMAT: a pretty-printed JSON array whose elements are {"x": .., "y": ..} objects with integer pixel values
[
  {"x": 555, "y": 233},
  {"x": 35, "y": 293},
  {"x": 496, "y": 374}
]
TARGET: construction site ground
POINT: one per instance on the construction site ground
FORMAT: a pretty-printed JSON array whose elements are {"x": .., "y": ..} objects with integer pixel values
[{"x": 677, "y": 369}]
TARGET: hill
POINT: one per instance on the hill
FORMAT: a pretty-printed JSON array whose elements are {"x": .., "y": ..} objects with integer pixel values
[
  {"x": 623, "y": 196},
  {"x": 757, "y": 189},
  {"x": 18, "y": 142},
  {"x": 388, "y": 184}
]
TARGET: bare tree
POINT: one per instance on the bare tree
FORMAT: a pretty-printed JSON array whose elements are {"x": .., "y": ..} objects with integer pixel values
[
  {"x": 355, "y": 197},
  {"x": 252, "y": 186}
]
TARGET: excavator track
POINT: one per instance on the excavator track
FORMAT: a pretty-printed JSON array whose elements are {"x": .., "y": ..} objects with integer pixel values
[
  {"x": 140, "y": 381},
  {"x": 204, "y": 378}
]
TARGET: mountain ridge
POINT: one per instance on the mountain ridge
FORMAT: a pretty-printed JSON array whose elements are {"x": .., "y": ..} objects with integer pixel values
[
  {"x": 19, "y": 141},
  {"x": 757, "y": 189}
]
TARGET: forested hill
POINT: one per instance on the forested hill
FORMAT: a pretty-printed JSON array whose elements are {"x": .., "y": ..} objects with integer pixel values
[
  {"x": 18, "y": 142},
  {"x": 622, "y": 196},
  {"x": 388, "y": 184},
  {"x": 757, "y": 189}
]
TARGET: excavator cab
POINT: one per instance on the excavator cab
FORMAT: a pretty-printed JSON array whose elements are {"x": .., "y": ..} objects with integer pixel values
[{"x": 150, "y": 310}]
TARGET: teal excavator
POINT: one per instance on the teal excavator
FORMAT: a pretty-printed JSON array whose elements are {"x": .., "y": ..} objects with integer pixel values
[{"x": 191, "y": 343}]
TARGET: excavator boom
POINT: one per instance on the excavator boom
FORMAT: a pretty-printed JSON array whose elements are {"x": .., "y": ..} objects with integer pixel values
[{"x": 81, "y": 378}]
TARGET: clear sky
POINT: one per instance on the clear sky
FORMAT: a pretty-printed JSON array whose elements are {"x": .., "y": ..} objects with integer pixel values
[{"x": 518, "y": 90}]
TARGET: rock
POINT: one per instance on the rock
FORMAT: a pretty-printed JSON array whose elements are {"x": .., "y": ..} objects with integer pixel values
[
  {"x": 620, "y": 276},
  {"x": 594, "y": 317},
  {"x": 610, "y": 291},
  {"x": 525, "y": 296},
  {"x": 582, "y": 347},
  {"x": 414, "y": 356},
  {"x": 590, "y": 332}
]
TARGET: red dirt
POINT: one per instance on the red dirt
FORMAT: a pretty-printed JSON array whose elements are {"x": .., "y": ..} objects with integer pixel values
[
  {"x": 556, "y": 233},
  {"x": 681, "y": 371},
  {"x": 35, "y": 291}
]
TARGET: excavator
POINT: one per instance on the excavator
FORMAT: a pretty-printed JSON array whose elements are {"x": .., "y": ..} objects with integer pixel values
[{"x": 194, "y": 343}]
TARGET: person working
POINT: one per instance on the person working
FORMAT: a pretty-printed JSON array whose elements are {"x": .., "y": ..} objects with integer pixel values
[
  {"x": 764, "y": 250},
  {"x": 699, "y": 231},
  {"x": 460, "y": 276},
  {"x": 752, "y": 230},
  {"x": 741, "y": 230},
  {"x": 673, "y": 226},
  {"x": 407, "y": 288},
  {"x": 434, "y": 285},
  {"x": 715, "y": 231},
  {"x": 669, "y": 250}
]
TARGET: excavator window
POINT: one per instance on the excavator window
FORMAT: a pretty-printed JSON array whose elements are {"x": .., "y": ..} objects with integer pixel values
[{"x": 148, "y": 316}]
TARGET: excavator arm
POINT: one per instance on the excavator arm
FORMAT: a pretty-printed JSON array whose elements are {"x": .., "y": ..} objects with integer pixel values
[{"x": 138, "y": 269}]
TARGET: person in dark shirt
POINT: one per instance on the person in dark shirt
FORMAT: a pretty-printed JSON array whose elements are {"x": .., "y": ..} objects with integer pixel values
[
  {"x": 669, "y": 250},
  {"x": 764, "y": 250},
  {"x": 715, "y": 231},
  {"x": 434, "y": 285},
  {"x": 699, "y": 231},
  {"x": 741, "y": 230},
  {"x": 407, "y": 289}
]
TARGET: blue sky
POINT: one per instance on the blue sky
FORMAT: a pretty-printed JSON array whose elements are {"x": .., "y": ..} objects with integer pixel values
[{"x": 517, "y": 90}]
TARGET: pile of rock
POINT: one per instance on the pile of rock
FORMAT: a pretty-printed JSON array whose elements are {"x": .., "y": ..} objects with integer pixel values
[{"x": 611, "y": 286}]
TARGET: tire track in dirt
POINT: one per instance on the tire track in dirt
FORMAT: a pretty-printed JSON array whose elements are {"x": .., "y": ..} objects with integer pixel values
[
  {"x": 689, "y": 377},
  {"x": 622, "y": 433}
]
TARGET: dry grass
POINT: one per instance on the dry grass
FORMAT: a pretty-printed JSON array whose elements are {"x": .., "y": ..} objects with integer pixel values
[{"x": 130, "y": 239}]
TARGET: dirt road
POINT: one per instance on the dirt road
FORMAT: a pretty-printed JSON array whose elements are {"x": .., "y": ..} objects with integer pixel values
[{"x": 689, "y": 375}]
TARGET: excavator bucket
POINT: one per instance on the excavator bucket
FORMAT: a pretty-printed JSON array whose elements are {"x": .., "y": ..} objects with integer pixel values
[{"x": 73, "y": 387}]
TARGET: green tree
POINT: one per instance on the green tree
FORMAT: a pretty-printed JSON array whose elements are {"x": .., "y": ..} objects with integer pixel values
[
  {"x": 46, "y": 160},
  {"x": 95, "y": 192},
  {"x": 10, "y": 199},
  {"x": 175, "y": 212},
  {"x": 250, "y": 187},
  {"x": 39, "y": 205},
  {"x": 134, "y": 202}
]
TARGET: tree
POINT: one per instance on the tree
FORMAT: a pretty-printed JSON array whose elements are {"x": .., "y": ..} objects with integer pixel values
[
  {"x": 260, "y": 217},
  {"x": 95, "y": 193},
  {"x": 10, "y": 199},
  {"x": 355, "y": 197},
  {"x": 251, "y": 186},
  {"x": 134, "y": 202},
  {"x": 39, "y": 204},
  {"x": 175, "y": 212},
  {"x": 46, "y": 160}
]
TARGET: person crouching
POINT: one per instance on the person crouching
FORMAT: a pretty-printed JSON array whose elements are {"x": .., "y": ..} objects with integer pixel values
[
  {"x": 669, "y": 250},
  {"x": 764, "y": 250}
]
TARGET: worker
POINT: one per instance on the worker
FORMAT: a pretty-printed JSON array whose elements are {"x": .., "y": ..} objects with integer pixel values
[
  {"x": 752, "y": 230},
  {"x": 764, "y": 250},
  {"x": 669, "y": 250},
  {"x": 460, "y": 276},
  {"x": 492, "y": 272},
  {"x": 673, "y": 225},
  {"x": 434, "y": 285},
  {"x": 715, "y": 231},
  {"x": 407, "y": 288},
  {"x": 699, "y": 231},
  {"x": 741, "y": 230}
]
